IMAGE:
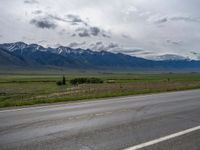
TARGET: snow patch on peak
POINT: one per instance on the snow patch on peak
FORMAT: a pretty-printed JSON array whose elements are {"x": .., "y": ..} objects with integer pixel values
[{"x": 15, "y": 46}]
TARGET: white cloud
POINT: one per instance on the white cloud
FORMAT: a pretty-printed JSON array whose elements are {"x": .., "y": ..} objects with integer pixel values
[{"x": 155, "y": 26}]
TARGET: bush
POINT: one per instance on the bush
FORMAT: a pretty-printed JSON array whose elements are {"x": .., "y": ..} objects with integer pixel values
[
  {"x": 76, "y": 81},
  {"x": 59, "y": 83},
  {"x": 62, "y": 82}
]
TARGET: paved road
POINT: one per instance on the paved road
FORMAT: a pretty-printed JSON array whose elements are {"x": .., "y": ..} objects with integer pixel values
[{"x": 115, "y": 123}]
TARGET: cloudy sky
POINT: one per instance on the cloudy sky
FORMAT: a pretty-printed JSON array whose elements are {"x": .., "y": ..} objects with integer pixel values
[{"x": 137, "y": 27}]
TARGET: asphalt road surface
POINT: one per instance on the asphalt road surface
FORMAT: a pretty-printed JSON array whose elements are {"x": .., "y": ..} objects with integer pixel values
[{"x": 110, "y": 124}]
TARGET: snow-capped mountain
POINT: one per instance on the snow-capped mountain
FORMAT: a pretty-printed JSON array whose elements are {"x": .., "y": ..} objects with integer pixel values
[
  {"x": 14, "y": 46},
  {"x": 22, "y": 47},
  {"x": 22, "y": 54}
]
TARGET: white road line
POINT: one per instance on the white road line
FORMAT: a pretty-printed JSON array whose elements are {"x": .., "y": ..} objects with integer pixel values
[{"x": 139, "y": 146}]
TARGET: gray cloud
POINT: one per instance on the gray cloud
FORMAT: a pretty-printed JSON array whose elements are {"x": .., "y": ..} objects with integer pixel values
[
  {"x": 101, "y": 46},
  {"x": 91, "y": 31},
  {"x": 46, "y": 21},
  {"x": 173, "y": 42},
  {"x": 83, "y": 32},
  {"x": 76, "y": 44},
  {"x": 185, "y": 18},
  {"x": 86, "y": 30},
  {"x": 43, "y": 23},
  {"x": 94, "y": 31},
  {"x": 36, "y": 12},
  {"x": 162, "y": 20},
  {"x": 73, "y": 35},
  {"x": 42, "y": 41},
  {"x": 27, "y": 38},
  {"x": 196, "y": 54},
  {"x": 55, "y": 17},
  {"x": 75, "y": 19},
  {"x": 31, "y": 2},
  {"x": 106, "y": 35},
  {"x": 126, "y": 36},
  {"x": 70, "y": 18},
  {"x": 133, "y": 51},
  {"x": 147, "y": 53},
  {"x": 62, "y": 32},
  {"x": 49, "y": 16},
  {"x": 112, "y": 45},
  {"x": 98, "y": 43}
]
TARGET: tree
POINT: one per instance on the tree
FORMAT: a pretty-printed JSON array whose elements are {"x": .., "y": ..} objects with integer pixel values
[{"x": 64, "y": 80}]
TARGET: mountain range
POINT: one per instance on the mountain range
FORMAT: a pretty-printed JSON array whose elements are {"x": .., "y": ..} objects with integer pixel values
[{"x": 24, "y": 55}]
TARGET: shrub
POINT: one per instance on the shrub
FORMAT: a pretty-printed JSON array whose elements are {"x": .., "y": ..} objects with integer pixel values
[
  {"x": 59, "y": 83},
  {"x": 76, "y": 81}
]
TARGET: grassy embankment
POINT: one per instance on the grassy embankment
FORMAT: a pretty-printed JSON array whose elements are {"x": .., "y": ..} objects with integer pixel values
[{"x": 18, "y": 90}]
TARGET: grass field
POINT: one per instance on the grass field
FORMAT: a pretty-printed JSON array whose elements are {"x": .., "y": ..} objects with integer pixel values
[{"x": 18, "y": 90}]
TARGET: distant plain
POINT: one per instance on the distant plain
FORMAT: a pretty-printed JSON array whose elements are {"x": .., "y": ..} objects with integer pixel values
[{"x": 20, "y": 89}]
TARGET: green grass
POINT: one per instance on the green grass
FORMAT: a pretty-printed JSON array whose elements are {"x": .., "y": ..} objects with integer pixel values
[{"x": 23, "y": 89}]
